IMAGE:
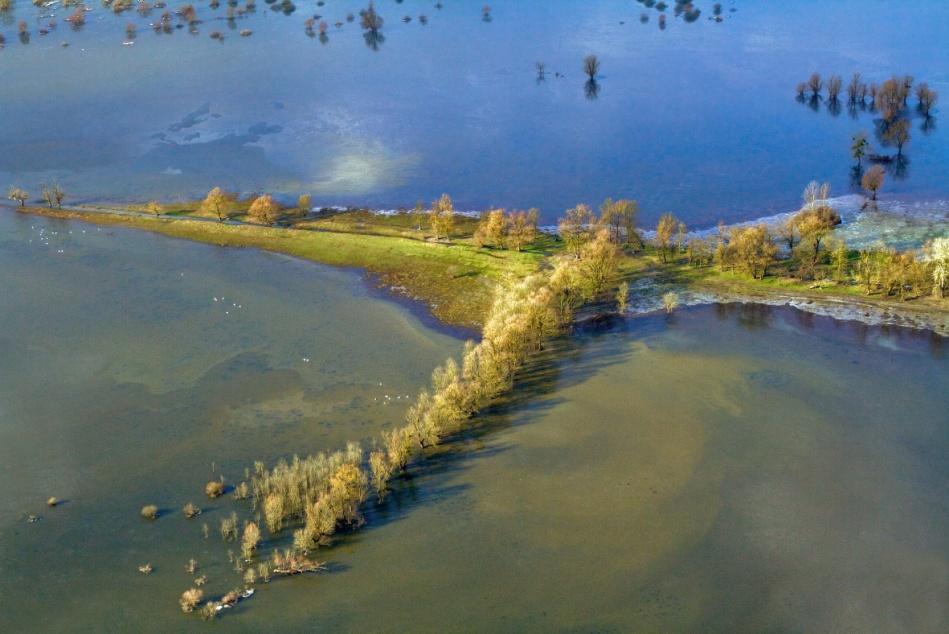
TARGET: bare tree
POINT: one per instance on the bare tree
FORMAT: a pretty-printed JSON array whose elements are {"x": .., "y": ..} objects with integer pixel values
[
  {"x": 18, "y": 195},
  {"x": 815, "y": 84},
  {"x": 853, "y": 88},
  {"x": 834, "y": 83},
  {"x": 889, "y": 99},
  {"x": 926, "y": 97},
  {"x": 591, "y": 66}
]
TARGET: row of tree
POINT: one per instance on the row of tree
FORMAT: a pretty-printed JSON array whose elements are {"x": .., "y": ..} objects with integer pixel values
[
  {"x": 52, "y": 194},
  {"x": 811, "y": 250},
  {"x": 326, "y": 492},
  {"x": 617, "y": 221},
  {"x": 224, "y": 205}
]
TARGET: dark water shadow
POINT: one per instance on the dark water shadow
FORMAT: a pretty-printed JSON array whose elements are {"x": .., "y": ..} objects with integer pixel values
[{"x": 562, "y": 364}]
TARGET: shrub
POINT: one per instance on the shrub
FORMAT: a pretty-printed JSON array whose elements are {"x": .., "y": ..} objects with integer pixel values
[
  {"x": 229, "y": 528},
  {"x": 250, "y": 540},
  {"x": 214, "y": 489},
  {"x": 190, "y": 599},
  {"x": 190, "y": 510},
  {"x": 149, "y": 512}
]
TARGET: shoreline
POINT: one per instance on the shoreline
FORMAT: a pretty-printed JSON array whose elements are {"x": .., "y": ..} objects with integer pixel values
[
  {"x": 402, "y": 288},
  {"x": 451, "y": 284}
]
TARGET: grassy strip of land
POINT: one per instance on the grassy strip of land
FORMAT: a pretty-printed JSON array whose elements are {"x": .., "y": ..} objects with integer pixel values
[{"x": 456, "y": 281}]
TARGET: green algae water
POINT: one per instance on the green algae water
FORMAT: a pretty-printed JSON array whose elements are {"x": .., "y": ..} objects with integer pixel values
[{"x": 725, "y": 468}]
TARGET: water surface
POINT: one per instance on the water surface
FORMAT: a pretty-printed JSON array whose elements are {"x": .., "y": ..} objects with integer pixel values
[
  {"x": 699, "y": 119},
  {"x": 722, "y": 469}
]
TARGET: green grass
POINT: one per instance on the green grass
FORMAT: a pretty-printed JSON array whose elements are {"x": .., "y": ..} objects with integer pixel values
[{"x": 456, "y": 280}]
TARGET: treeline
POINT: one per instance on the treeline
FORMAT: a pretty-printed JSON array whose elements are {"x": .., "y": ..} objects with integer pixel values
[
  {"x": 811, "y": 252},
  {"x": 224, "y": 205},
  {"x": 325, "y": 493}
]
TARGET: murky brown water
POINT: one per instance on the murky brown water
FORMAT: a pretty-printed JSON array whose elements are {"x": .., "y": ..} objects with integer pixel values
[{"x": 725, "y": 469}]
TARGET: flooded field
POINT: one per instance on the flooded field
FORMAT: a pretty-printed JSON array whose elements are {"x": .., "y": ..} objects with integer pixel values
[{"x": 699, "y": 118}]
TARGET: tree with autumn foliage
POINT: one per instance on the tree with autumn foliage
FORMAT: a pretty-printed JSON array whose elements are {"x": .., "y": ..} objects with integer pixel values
[
  {"x": 219, "y": 203},
  {"x": 264, "y": 209}
]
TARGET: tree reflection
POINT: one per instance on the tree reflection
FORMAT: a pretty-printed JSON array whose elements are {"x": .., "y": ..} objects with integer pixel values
[
  {"x": 374, "y": 39},
  {"x": 592, "y": 89}
]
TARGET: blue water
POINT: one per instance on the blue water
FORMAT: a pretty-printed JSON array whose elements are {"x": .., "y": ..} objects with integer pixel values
[{"x": 699, "y": 119}]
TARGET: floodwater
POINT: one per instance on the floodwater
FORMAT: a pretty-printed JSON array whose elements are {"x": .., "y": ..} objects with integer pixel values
[
  {"x": 726, "y": 468},
  {"x": 699, "y": 118},
  {"x": 131, "y": 363}
]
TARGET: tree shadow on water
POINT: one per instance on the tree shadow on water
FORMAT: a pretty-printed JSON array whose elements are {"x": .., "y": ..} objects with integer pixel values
[{"x": 565, "y": 362}]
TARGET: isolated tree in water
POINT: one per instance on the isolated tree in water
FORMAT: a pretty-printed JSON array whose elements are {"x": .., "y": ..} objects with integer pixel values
[
  {"x": 858, "y": 147},
  {"x": 370, "y": 20},
  {"x": 591, "y": 66},
  {"x": 219, "y": 203},
  {"x": 897, "y": 133},
  {"x": 815, "y": 84},
  {"x": 926, "y": 98},
  {"x": 834, "y": 84}
]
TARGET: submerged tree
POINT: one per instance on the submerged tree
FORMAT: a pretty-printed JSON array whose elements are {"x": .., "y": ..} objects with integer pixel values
[
  {"x": 370, "y": 20},
  {"x": 858, "y": 147},
  {"x": 853, "y": 88},
  {"x": 897, "y": 133},
  {"x": 889, "y": 99},
  {"x": 591, "y": 66},
  {"x": 926, "y": 98},
  {"x": 815, "y": 84},
  {"x": 834, "y": 84}
]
